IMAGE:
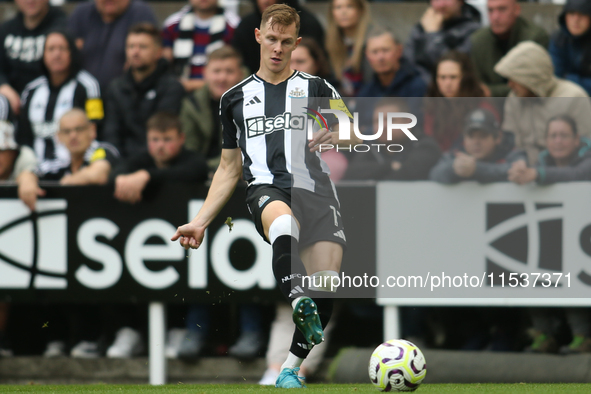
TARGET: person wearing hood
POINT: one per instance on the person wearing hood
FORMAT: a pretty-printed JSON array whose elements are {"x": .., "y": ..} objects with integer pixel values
[
  {"x": 21, "y": 40},
  {"x": 146, "y": 88},
  {"x": 536, "y": 96},
  {"x": 247, "y": 46},
  {"x": 570, "y": 46},
  {"x": 489, "y": 44},
  {"x": 64, "y": 85},
  {"x": 393, "y": 75},
  {"x": 446, "y": 25},
  {"x": 486, "y": 156}
]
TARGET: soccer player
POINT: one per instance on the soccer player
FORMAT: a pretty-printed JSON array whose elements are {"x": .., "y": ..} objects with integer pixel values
[{"x": 264, "y": 158}]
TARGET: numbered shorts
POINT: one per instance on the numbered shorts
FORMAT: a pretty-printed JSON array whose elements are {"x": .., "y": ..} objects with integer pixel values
[{"x": 319, "y": 216}]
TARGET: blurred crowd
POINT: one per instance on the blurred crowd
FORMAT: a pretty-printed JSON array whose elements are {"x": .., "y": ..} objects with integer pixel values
[{"x": 106, "y": 95}]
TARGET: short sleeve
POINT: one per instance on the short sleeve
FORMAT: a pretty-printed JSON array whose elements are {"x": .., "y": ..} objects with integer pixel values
[
  {"x": 105, "y": 151},
  {"x": 229, "y": 130},
  {"x": 331, "y": 99}
]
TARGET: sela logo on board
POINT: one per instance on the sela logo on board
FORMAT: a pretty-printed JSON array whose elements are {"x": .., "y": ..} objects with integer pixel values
[{"x": 34, "y": 252}]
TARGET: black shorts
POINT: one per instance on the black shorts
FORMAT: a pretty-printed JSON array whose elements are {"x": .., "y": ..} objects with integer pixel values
[{"x": 319, "y": 216}]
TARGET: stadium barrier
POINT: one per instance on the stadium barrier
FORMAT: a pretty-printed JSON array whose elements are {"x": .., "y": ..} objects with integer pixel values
[{"x": 82, "y": 245}]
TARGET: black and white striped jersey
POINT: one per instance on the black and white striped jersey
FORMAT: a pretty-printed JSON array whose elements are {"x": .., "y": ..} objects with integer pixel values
[
  {"x": 5, "y": 112},
  {"x": 48, "y": 171},
  {"x": 262, "y": 120},
  {"x": 43, "y": 106}
]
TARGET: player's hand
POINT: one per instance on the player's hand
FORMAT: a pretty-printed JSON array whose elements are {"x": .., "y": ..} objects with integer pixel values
[
  {"x": 464, "y": 165},
  {"x": 431, "y": 20},
  {"x": 189, "y": 235},
  {"x": 322, "y": 137},
  {"x": 129, "y": 188}
]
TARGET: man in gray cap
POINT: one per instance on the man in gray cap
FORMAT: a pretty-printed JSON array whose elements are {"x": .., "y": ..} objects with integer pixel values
[{"x": 486, "y": 156}]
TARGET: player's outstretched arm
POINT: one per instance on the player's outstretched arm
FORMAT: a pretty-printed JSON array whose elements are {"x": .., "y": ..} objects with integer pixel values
[{"x": 223, "y": 184}]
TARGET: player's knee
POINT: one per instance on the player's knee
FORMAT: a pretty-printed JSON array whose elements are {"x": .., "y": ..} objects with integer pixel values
[
  {"x": 325, "y": 281},
  {"x": 283, "y": 225}
]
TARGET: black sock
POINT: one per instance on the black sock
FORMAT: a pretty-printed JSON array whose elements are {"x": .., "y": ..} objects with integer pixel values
[
  {"x": 299, "y": 345},
  {"x": 288, "y": 267}
]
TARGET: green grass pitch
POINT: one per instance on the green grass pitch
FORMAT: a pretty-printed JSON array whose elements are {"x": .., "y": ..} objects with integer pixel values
[{"x": 313, "y": 388}]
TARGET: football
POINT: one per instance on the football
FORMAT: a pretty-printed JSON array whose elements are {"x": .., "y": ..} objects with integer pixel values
[{"x": 397, "y": 365}]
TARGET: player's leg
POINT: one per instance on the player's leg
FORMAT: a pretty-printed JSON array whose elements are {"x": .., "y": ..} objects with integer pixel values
[
  {"x": 282, "y": 230},
  {"x": 323, "y": 262}
]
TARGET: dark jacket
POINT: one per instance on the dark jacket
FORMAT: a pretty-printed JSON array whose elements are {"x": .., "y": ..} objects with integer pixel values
[
  {"x": 104, "y": 43},
  {"x": 128, "y": 105},
  {"x": 18, "y": 43},
  {"x": 416, "y": 160},
  {"x": 424, "y": 49},
  {"x": 579, "y": 168},
  {"x": 246, "y": 45},
  {"x": 187, "y": 167},
  {"x": 492, "y": 170},
  {"x": 406, "y": 83},
  {"x": 198, "y": 117},
  {"x": 487, "y": 49},
  {"x": 571, "y": 55}
]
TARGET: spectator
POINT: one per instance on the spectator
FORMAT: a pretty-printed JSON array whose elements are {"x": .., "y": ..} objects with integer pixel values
[
  {"x": 566, "y": 159},
  {"x": 446, "y": 25},
  {"x": 90, "y": 161},
  {"x": 453, "y": 79},
  {"x": 309, "y": 57},
  {"x": 165, "y": 160},
  {"x": 146, "y": 88},
  {"x": 570, "y": 47},
  {"x": 100, "y": 28},
  {"x": 63, "y": 86},
  {"x": 17, "y": 163},
  {"x": 348, "y": 24},
  {"x": 410, "y": 160},
  {"x": 21, "y": 40},
  {"x": 200, "y": 111},
  {"x": 529, "y": 70},
  {"x": 393, "y": 76},
  {"x": 486, "y": 156},
  {"x": 567, "y": 156},
  {"x": 244, "y": 40},
  {"x": 193, "y": 33},
  {"x": 489, "y": 44}
]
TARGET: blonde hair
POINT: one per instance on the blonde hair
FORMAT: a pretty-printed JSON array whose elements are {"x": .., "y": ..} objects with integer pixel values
[
  {"x": 335, "y": 40},
  {"x": 282, "y": 15}
]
